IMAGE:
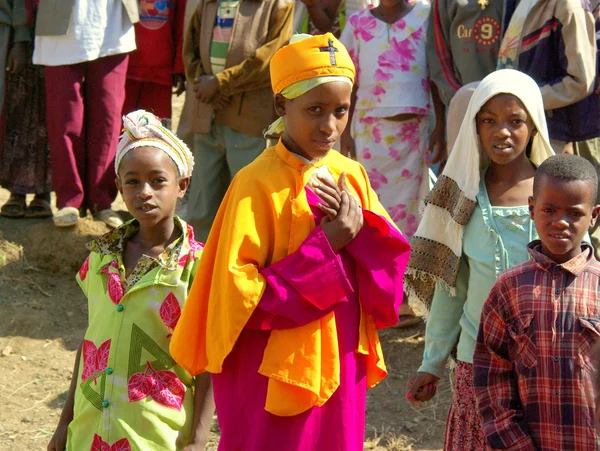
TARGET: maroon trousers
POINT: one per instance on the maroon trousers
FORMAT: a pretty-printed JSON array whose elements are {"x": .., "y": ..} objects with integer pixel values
[
  {"x": 145, "y": 95},
  {"x": 84, "y": 103}
]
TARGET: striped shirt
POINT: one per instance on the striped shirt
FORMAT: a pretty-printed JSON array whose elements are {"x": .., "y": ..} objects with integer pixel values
[
  {"x": 533, "y": 375},
  {"x": 222, "y": 34}
]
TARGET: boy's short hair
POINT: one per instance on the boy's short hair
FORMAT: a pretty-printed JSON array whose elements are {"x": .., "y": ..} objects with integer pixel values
[{"x": 567, "y": 168}]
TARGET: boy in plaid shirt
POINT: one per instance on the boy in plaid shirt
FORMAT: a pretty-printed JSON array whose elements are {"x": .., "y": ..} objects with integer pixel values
[{"x": 532, "y": 370}]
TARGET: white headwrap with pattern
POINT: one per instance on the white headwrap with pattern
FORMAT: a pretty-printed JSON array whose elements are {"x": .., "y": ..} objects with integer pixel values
[{"x": 144, "y": 129}]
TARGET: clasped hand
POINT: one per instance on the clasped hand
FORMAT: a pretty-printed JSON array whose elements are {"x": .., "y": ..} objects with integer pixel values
[
  {"x": 207, "y": 90},
  {"x": 344, "y": 214}
]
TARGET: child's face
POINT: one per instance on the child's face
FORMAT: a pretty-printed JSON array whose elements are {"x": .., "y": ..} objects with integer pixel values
[
  {"x": 563, "y": 211},
  {"x": 150, "y": 185},
  {"x": 315, "y": 120},
  {"x": 504, "y": 128}
]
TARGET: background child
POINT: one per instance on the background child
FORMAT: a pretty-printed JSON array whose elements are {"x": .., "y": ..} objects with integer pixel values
[
  {"x": 127, "y": 391},
  {"x": 85, "y": 47},
  {"x": 390, "y": 114},
  {"x": 533, "y": 374},
  {"x": 481, "y": 198},
  {"x": 227, "y": 51},
  {"x": 156, "y": 65},
  {"x": 469, "y": 39},
  {"x": 288, "y": 340},
  {"x": 24, "y": 152}
]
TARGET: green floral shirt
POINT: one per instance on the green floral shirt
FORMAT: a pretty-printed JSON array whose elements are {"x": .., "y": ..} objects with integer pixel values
[{"x": 131, "y": 394}]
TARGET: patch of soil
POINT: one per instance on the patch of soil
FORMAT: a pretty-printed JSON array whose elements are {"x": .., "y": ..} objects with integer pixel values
[{"x": 59, "y": 249}]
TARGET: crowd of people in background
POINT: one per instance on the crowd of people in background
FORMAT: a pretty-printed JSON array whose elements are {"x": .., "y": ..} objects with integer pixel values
[{"x": 451, "y": 124}]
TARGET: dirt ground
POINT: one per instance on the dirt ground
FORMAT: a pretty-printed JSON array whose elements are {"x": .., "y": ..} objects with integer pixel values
[{"x": 43, "y": 318}]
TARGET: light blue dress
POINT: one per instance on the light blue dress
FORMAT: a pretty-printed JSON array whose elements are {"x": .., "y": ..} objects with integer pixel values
[{"x": 495, "y": 239}]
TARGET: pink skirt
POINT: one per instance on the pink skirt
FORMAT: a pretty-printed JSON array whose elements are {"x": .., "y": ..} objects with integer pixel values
[{"x": 463, "y": 428}]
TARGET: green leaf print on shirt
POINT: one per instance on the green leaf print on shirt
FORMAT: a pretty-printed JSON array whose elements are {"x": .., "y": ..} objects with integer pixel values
[
  {"x": 88, "y": 390},
  {"x": 141, "y": 340}
]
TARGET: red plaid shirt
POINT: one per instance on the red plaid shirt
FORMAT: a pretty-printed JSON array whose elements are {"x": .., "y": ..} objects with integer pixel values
[{"x": 532, "y": 371}]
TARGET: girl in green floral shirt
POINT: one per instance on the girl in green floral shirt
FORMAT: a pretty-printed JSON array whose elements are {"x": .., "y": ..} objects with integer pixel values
[{"x": 127, "y": 393}]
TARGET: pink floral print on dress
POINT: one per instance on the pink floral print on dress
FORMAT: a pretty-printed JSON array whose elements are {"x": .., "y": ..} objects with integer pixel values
[
  {"x": 195, "y": 246},
  {"x": 170, "y": 311},
  {"x": 377, "y": 178},
  {"x": 363, "y": 25},
  {"x": 84, "y": 269},
  {"x": 162, "y": 386},
  {"x": 381, "y": 76},
  {"x": 113, "y": 284},
  {"x": 95, "y": 360},
  {"x": 399, "y": 56},
  {"x": 100, "y": 445}
]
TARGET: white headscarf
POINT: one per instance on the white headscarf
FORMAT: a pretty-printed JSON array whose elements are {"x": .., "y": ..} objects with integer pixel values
[
  {"x": 437, "y": 244},
  {"x": 143, "y": 129}
]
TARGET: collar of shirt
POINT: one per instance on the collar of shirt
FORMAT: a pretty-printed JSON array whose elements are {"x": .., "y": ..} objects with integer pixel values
[
  {"x": 575, "y": 266},
  {"x": 113, "y": 243}
]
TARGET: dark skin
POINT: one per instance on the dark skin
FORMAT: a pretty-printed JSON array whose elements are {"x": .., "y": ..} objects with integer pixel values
[
  {"x": 178, "y": 84},
  {"x": 148, "y": 180},
  {"x": 58, "y": 442},
  {"x": 563, "y": 211},
  {"x": 18, "y": 57},
  {"x": 438, "y": 149},
  {"x": 322, "y": 13},
  {"x": 344, "y": 214},
  {"x": 150, "y": 185},
  {"x": 505, "y": 128},
  {"x": 314, "y": 122},
  {"x": 207, "y": 90}
]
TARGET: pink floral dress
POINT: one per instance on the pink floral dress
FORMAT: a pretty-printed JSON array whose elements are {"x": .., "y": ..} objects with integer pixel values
[
  {"x": 392, "y": 79},
  {"x": 131, "y": 395}
]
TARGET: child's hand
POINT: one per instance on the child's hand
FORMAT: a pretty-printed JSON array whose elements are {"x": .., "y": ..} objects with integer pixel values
[
  {"x": 330, "y": 194},
  {"x": 17, "y": 58},
  {"x": 347, "y": 146},
  {"x": 178, "y": 84},
  {"x": 421, "y": 387},
  {"x": 58, "y": 442},
  {"x": 437, "y": 152},
  {"x": 206, "y": 88},
  {"x": 220, "y": 101},
  {"x": 346, "y": 225}
]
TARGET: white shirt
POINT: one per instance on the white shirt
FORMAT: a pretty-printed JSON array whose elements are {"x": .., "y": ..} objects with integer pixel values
[{"x": 97, "y": 28}]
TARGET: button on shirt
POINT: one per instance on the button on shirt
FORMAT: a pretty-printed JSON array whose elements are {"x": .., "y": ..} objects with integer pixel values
[{"x": 532, "y": 370}]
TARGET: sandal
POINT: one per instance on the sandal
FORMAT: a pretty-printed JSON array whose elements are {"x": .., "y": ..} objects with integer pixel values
[
  {"x": 66, "y": 217},
  {"x": 109, "y": 217},
  {"x": 38, "y": 208},
  {"x": 14, "y": 207}
]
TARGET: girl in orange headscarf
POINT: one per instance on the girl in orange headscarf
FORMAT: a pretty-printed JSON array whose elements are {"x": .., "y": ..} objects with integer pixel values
[{"x": 301, "y": 268}]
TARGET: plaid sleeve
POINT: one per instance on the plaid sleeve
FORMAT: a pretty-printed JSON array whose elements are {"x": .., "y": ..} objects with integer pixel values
[{"x": 495, "y": 383}]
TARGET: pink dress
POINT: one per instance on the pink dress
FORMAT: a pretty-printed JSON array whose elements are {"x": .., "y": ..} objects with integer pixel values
[
  {"x": 370, "y": 267},
  {"x": 392, "y": 79}
]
